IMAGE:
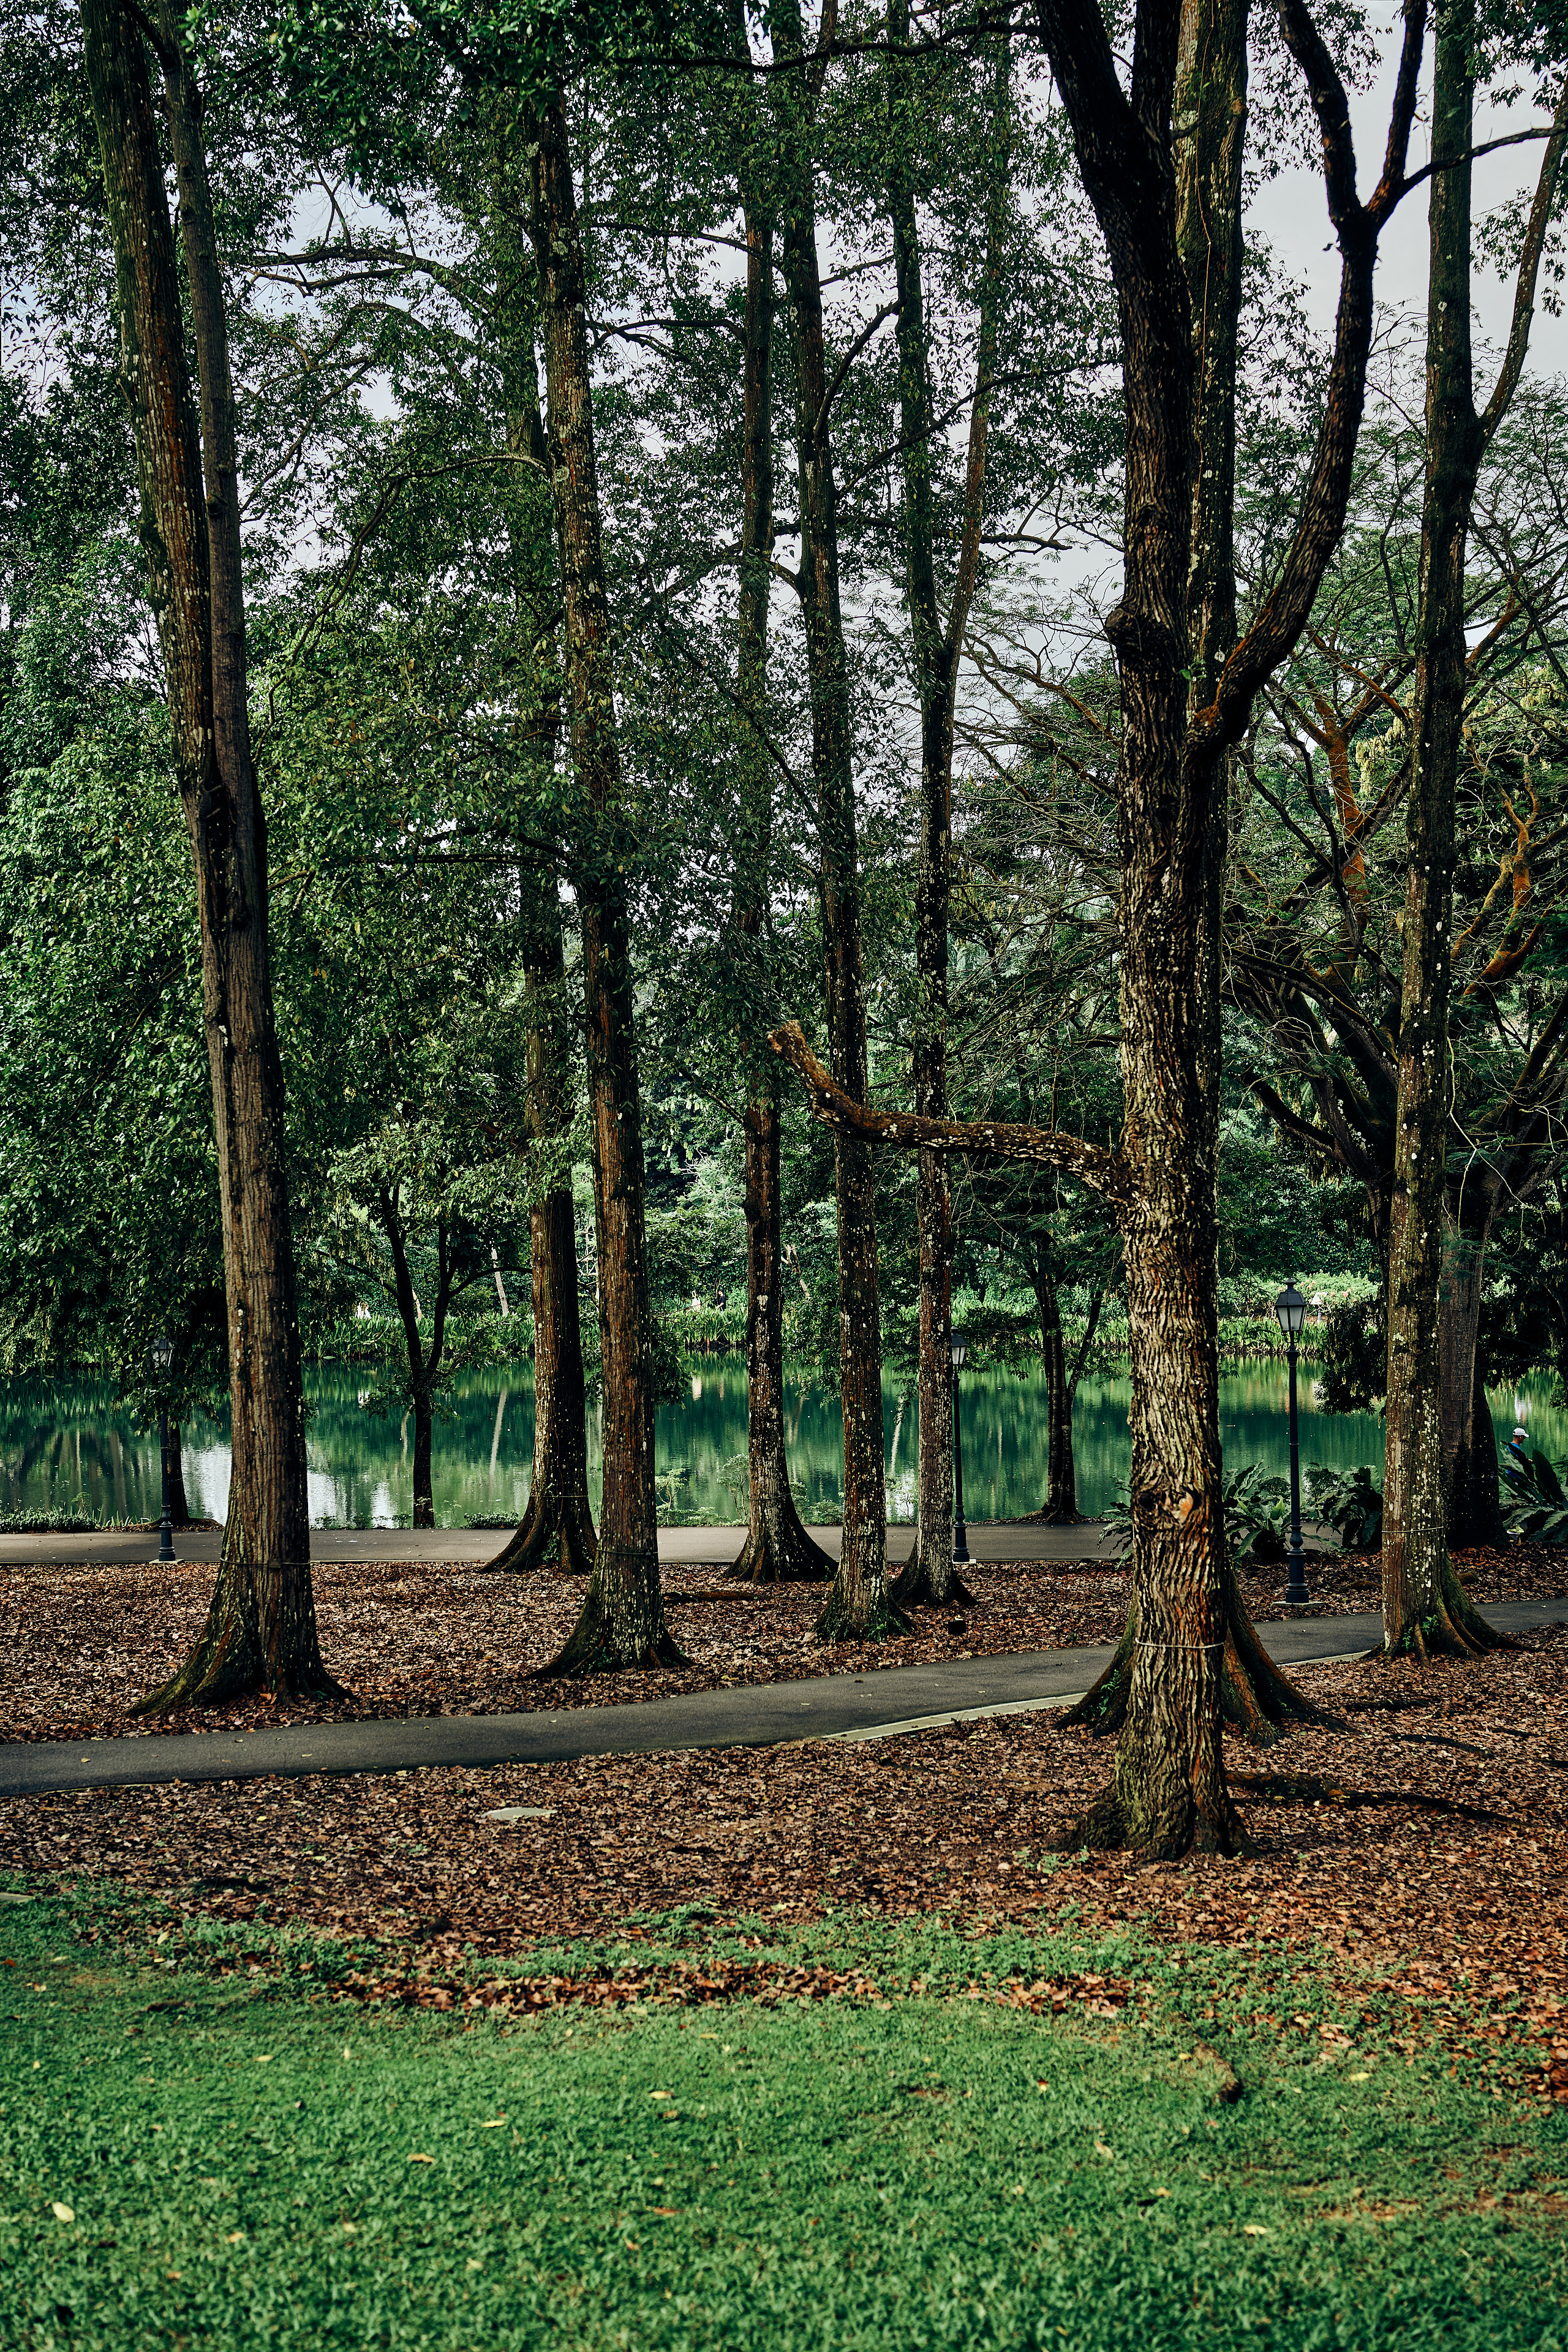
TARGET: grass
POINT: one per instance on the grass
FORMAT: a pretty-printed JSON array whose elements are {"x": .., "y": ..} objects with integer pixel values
[{"x": 245, "y": 2162}]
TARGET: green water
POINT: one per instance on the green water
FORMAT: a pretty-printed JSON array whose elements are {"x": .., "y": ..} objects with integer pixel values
[{"x": 70, "y": 1443}]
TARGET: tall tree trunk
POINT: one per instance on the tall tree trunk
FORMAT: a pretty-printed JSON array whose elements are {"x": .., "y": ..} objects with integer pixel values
[
  {"x": 261, "y": 1626},
  {"x": 1061, "y": 1470},
  {"x": 557, "y": 1526},
  {"x": 179, "y": 1506},
  {"x": 1470, "y": 1448},
  {"x": 557, "y": 1529},
  {"x": 1168, "y": 1788},
  {"x": 936, "y": 647},
  {"x": 858, "y": 1606},
  {"x": 777, "y": 1546},
  {"x": 1424, "y": 1608},
  {"x": 623, "y": 1622},
  {"x": 1211, "y": 109}
]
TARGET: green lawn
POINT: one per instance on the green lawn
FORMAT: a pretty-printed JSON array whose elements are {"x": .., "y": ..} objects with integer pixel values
[{"x": 189, "y": 2159}]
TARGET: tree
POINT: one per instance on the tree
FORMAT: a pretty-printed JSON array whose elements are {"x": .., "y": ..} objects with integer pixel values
[
  {"x": 1168, "y": 1790},
  {"x": 859, "y": 1605},
  {"x": 261, "y": 1628},
  {"x": 936, "y": 641},
  {"x": 777, "y": 1546},
  {"x": 622, "y": 1622},
  {"x": 1423, "y": 1606},
  {"x": 1316, "y": 911}
]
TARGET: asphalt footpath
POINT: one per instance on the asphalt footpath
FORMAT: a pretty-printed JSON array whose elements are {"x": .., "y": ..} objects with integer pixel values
[
  {"x": 878, "y": 1702},
  {"x": 991, "y": 1542}
]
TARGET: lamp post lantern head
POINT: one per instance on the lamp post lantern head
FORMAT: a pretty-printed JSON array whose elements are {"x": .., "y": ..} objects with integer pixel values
[
  {"x": 959, "y": 1347},
  {"x": 1291, "y": 1309},
  {"x": 163, "y": 1353}
]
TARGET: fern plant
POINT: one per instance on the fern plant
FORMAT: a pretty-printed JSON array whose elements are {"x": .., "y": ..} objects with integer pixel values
[
  {"x": 1349, "y": 1502},
  {"x": 1536, "y": 1507}
]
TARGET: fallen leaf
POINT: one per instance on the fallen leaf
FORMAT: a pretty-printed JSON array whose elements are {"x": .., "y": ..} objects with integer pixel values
[
  {"x": 1100, "y": 2149},
  {"x": 418, "y": 2159},
  {"x": 63, "y": 2212},
  {"x": 1253, "y": 2229}
]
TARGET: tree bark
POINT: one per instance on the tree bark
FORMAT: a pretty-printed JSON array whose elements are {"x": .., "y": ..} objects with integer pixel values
[
  {"x": 1168, "y": 1791},
  {"x": 1470, "y": 1446},
  {"x": 1424, "y": 1608},
  {"x": 557, "y": 1529},
  {"x": 931, "y": 1575},
  {"x": 859, "y": 1607},
  {"x": 557, "y": 1526},
  {"x": 1061, "y": 1470},
  {"x": 777, "y": 1547},
  {"x": 261, "y": 1626},
  {"x": 179, "y": 1506},
  {"x": 622, "y": 1624}
]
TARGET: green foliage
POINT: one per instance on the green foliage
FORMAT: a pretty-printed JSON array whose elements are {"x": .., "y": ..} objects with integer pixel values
[
  {"x": 1256, "y": 1509},
  {"x": 49, "y": 1522},
  {"x": 1353, "y": 1356},
  {"x": 1536, "y": 1507},
  {"x": 1350, "y": 1501}
]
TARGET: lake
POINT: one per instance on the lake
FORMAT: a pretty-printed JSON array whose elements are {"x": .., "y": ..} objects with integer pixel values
[{"x": 68, "y": 1443}]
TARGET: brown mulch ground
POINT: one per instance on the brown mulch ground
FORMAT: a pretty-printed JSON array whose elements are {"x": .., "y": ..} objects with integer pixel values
[
  {"x": 412, "y": 1638},
  {"x": 1446, "y": 1893}
]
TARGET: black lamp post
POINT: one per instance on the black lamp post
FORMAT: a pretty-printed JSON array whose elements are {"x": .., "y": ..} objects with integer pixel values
[
  {"x": 163, "y": 1357},
  {"x": 1290, "y": 1310},
  {"x": 960, "y": 1532}
]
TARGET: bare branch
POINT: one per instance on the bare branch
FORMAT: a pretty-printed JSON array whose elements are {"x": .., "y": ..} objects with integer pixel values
[{"x": 1105, "y": 1172}]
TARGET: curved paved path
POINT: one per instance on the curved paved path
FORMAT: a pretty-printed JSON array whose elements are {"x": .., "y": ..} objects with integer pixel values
[
  {"x": 990, "y": 1540},
  {"x": 869, "y": 1704}
]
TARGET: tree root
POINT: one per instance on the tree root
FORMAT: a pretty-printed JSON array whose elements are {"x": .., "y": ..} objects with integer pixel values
[
  {"x": 1452, "y": 1628},
  {"x": 914, "y": 1587},
  {"x": 621, "y": 1629},
  {"x": 550, "y": 1535},
  {"x": 778, "y": 1550},
  {"x": 232, "y": 1660},
  {"x": 1255, "y": 1698},
  {"x": 1112, "y": 1826},
  {"x": 1280, "y": 1788},
  {"x": 837, "y": 1622},
  {"x": 590, "y": 1651}
]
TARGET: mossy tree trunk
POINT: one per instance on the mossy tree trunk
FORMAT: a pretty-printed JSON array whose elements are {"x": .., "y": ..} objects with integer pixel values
[
  {"x": 936, "y": 644},
  {"x": 261, "y": 1626},
  {"x": 1424, "y": 1608},
  {"x": 621, "y": 1623},
  {"x": 858, "y": 1606},
  {"x": 777, "y": 1547},
  {"x": 556, "y": 1530}
]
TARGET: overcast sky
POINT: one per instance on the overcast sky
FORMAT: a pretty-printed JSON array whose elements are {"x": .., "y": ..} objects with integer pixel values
[{"x": 1293, "y": 214}]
